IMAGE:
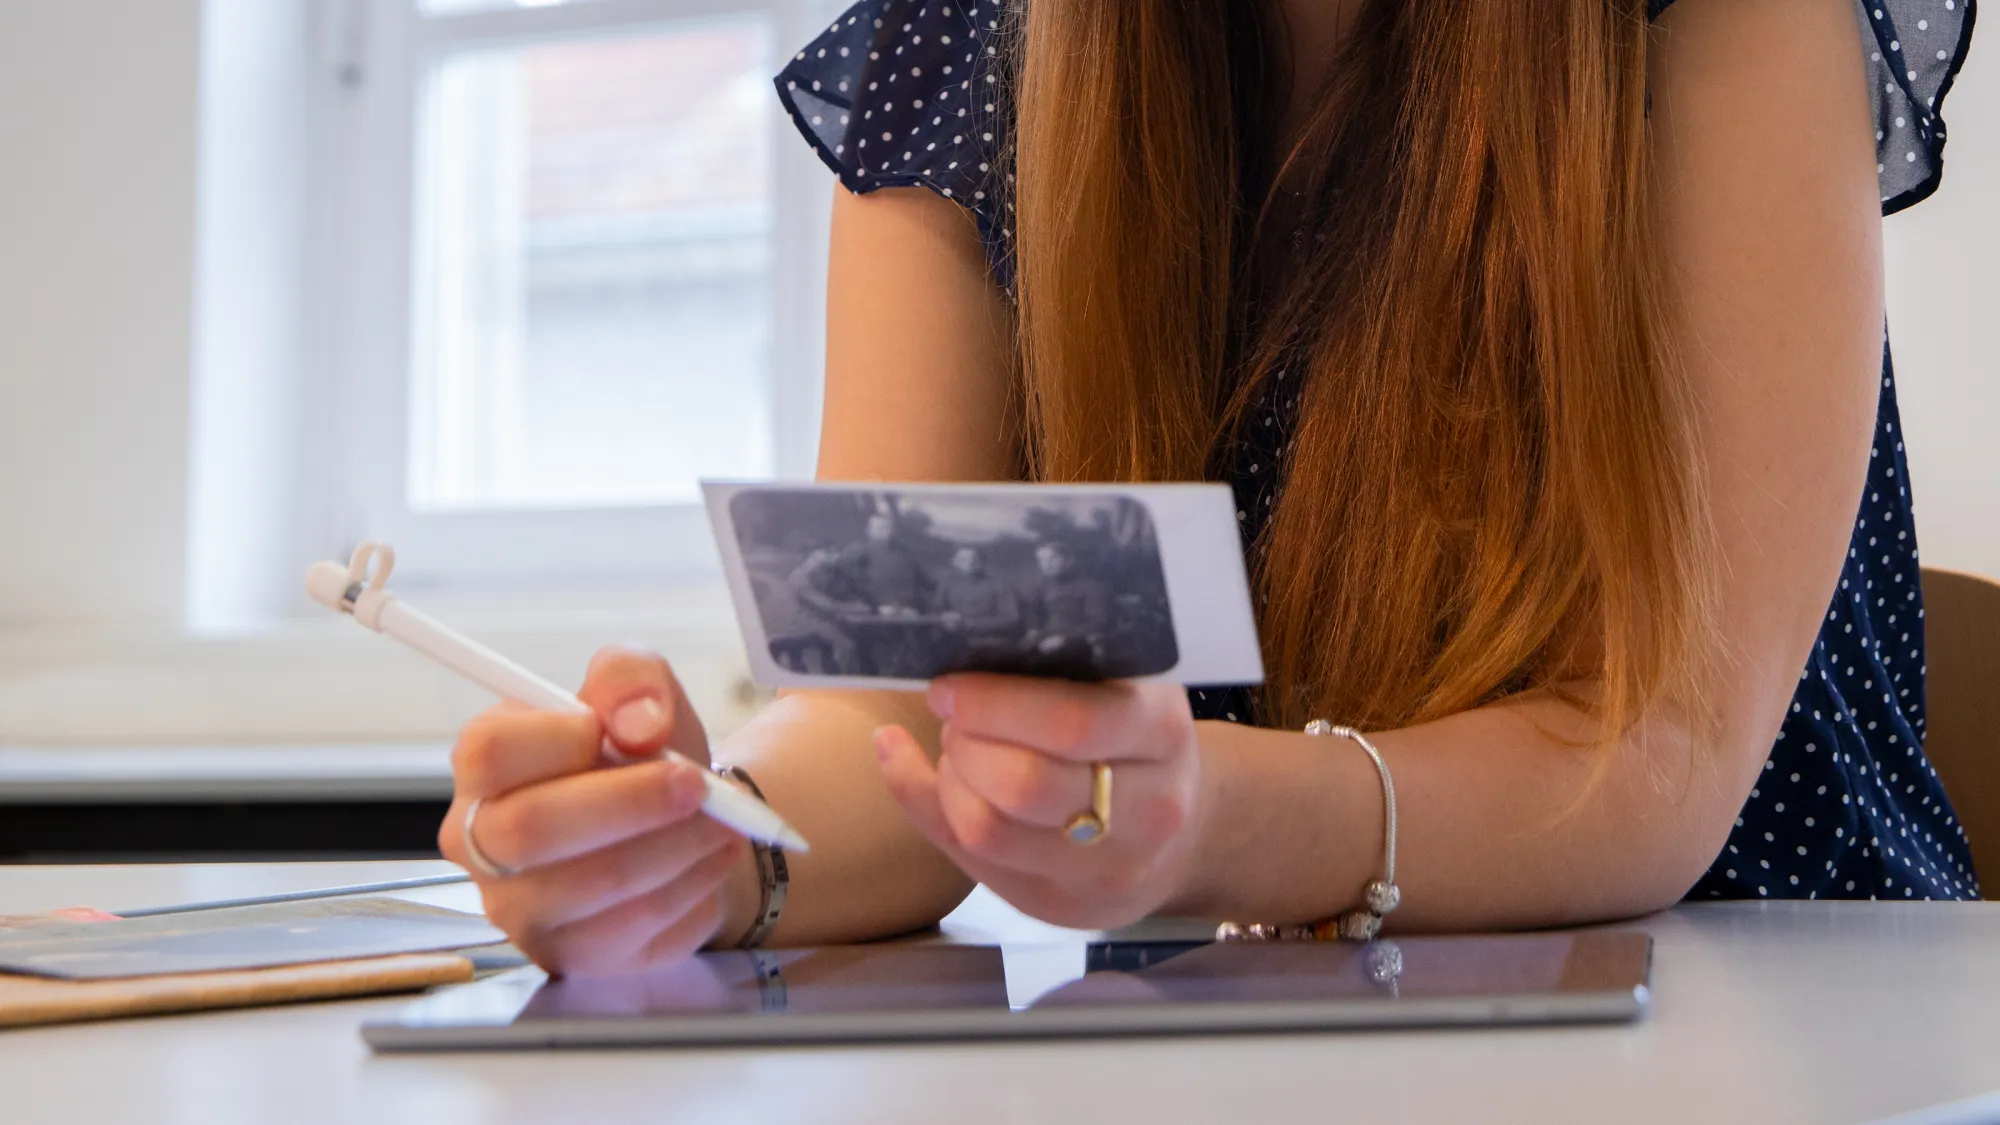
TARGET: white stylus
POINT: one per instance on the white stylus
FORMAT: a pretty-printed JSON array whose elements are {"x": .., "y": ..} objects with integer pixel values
[{"x": 357, "y": 591}]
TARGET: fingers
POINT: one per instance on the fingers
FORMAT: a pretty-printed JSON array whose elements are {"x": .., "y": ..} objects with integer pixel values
[
  {"x": 1040, "y": 866},
  {"x": 686, "y": 937},
  {"x": 985, "y": 832},
  {"x": 915, "y": 784},
  {"x": 661, "y": 924},
  {"x": 510, "y": 746},
  {"x": 572, "y": 816},
  {"x": 1077, "y": 722},
  {"x": 640, "y": 709},
  {"x": 1026, "y": 786},
  {"x": 615, "y": 867},
  {"x": 1012, "y": 775},
  {"x": 550, "y": 898},
  {"x": 641, "y": 705}
]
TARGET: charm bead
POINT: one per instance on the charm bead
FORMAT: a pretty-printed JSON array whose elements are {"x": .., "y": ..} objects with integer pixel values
[
  {"x": 1359, "y": 925},
  {"x": 1383, "y": 898}
]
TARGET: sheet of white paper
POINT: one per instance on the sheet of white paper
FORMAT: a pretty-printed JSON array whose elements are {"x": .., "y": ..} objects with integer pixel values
[{"x": 890, "y": 585}]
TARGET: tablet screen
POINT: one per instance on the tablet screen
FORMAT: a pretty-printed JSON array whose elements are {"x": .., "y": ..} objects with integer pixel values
[{"x": 980, "y": 990}]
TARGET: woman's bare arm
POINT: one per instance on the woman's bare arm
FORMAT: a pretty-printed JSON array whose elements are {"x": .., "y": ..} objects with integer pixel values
[
  {"x": 919, "y": 346},
  {"x": 1771, "y": 217},
  {"x": 918, "y": 387}
]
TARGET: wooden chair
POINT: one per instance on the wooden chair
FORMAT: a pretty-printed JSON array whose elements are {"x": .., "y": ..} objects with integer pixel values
[{"x": 1962, "y": 738}]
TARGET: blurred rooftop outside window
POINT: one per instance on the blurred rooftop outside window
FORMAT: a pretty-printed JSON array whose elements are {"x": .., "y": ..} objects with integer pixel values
[{"x": 593, "y": 287}]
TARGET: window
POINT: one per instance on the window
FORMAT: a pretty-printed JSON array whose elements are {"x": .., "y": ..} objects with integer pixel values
[{"x": 578, "y": 267}]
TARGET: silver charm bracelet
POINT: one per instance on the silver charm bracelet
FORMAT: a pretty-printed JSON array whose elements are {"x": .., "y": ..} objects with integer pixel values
[{"x": 1379, "y": 899}]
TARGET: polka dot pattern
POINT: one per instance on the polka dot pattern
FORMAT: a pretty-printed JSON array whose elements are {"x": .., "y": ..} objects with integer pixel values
[
  {"x": 903, "y": 93},
  {"x": 1917, "y": 49},
  {"x": 1847, "y": 806}
]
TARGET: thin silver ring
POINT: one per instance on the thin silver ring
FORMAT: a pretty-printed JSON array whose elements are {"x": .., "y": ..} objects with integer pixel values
[{"x": 478, "y": 860}]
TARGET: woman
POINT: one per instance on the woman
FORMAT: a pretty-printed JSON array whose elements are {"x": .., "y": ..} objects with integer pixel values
[{"x": 1542, "y": 343}]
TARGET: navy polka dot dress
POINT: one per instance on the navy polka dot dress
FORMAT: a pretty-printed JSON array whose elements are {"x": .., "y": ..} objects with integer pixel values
[{"x": 904, "y": 93}]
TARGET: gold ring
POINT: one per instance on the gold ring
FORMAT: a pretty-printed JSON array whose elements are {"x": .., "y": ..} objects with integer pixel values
[
  {"x": 1093, "y": 824},
  {"x": 477, "y": 859}
]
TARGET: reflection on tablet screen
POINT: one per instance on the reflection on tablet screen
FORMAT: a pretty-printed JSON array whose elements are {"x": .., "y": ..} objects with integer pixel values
[{"x": 901, "y": 978}]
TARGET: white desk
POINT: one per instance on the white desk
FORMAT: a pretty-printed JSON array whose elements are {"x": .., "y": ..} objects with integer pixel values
[{"x": 1763, "y": 1013}]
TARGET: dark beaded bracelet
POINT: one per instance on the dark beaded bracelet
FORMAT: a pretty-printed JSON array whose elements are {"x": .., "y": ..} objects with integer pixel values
[{"x": 774, "y": 877}]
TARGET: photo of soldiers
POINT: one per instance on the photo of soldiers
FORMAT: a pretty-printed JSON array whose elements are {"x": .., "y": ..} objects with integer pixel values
[
  {"x": 877, "y": 593},
  {"x": 801, "y": 638},
  {"x": 1073, "y": 613},
  {"x": 913, "y": 585},
  {"x": 983, "y": 613}
]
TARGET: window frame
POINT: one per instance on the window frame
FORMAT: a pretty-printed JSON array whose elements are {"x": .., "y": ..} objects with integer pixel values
[{"x": 380, "y": 57}]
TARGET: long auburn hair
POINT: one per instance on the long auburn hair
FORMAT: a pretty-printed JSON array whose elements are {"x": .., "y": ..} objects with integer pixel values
[{"x": 1493, "y": 483}]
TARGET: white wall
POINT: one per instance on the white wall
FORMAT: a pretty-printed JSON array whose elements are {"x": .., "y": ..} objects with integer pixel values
[
  {"x": 1944, "y": 324},
  {"x": 97, "y": 203}
]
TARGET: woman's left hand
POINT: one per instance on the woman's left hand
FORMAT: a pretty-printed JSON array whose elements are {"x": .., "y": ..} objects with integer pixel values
[{"x": 1016, "y": 768}]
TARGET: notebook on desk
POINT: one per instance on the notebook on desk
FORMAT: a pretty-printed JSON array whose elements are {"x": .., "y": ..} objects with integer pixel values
[
  {"x": 238, "y": 938},
  {"x": 84, "y": 964}
]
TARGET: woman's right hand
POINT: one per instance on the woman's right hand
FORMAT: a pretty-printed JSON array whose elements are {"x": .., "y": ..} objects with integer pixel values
[{"x": 615, "y": 868}]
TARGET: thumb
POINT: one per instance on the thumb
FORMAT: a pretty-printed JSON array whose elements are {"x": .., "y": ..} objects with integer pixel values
[{"x": 913, "y": 781}]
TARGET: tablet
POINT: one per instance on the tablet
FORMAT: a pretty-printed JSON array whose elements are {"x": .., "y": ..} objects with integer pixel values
[{"x": 879, "y": 993}]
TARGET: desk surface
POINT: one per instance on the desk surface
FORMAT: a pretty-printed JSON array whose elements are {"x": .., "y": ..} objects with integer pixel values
[{"x": 1770, "y": 1013}]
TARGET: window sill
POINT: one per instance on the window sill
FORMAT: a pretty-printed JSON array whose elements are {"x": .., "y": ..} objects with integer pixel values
[
  {"x": 129, "y": 775},
  {"x": 324, "y": 683}
]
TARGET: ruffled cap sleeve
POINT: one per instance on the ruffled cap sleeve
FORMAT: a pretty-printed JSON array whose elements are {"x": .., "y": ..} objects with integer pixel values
[
  {"x": 896, "y": 94},
  {"x": 1918, "y": 48}
]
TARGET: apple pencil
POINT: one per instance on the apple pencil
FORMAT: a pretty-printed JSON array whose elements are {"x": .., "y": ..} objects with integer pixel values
[
  {"x": 316, "y": 893},
  {"x": 355, "y": 591}
]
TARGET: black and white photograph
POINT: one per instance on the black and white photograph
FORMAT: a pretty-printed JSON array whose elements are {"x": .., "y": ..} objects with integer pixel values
[
  {"x": 909, "y": 587},
  {"x": 909, "y": 583}
]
